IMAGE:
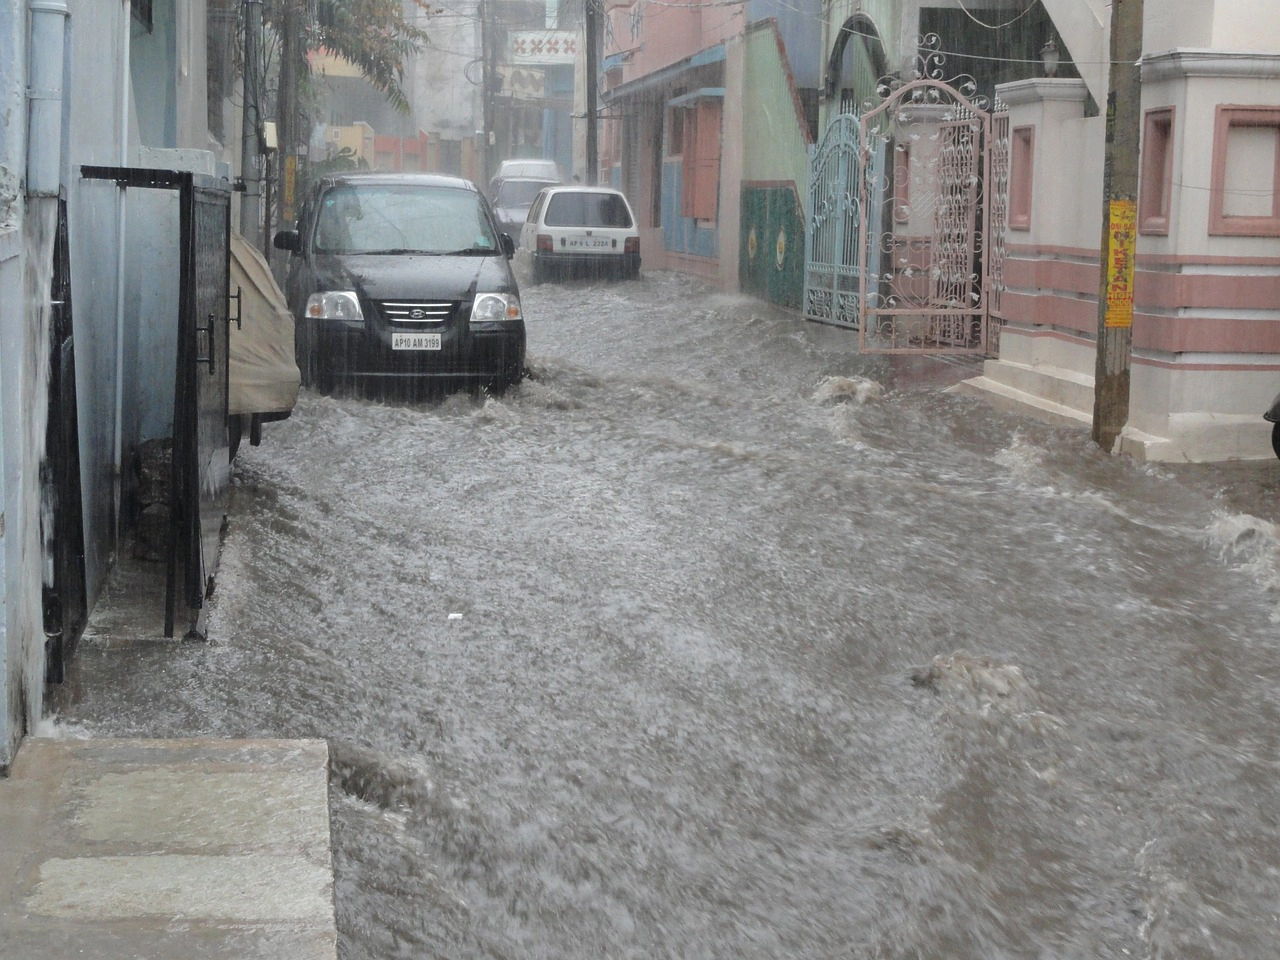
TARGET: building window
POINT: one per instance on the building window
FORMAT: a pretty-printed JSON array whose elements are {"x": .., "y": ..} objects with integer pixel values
[
  {"x": 701, "y": 160},
  {"x": 1244, "y": 193},
  {"x": 1157, "y": 171},
  {"x": 1021, "y": 176},
  {"x": 220, "y": 34},
  {"x": 675, "y": 132},
  {"x": 141, "y": 10}
]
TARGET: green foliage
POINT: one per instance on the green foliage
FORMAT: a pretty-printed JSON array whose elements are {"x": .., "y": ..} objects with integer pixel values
[
  {"x": 341, "y": 162},
  {"x": 375, "y": 36},
  {"x": 372, "y": 34}
]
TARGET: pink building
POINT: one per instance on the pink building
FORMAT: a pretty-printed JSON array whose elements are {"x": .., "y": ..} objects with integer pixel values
[
  {"x": 665, "y": 77},
  {"x": 1206, "y": 326}
]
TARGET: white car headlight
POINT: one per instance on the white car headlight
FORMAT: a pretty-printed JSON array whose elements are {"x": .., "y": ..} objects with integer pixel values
[
  {"x": 334, "y": 305},
  {"x": 496, "y": 306}
]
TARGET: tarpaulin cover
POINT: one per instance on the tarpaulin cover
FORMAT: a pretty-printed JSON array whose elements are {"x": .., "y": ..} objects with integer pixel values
[{"x": 264, "y": 375}]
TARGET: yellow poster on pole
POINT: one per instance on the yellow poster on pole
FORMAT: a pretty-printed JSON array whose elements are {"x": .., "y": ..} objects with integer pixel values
[
  {"x": 1122, "y": 245},
  {"x": 290, "y": 188}
]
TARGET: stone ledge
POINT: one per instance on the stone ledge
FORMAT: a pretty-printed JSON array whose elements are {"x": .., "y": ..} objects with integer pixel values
[{"x": 209, "y": 849}]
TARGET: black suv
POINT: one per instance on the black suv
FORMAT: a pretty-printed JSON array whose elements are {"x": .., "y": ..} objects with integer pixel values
[{"x": 402, "y": 278}]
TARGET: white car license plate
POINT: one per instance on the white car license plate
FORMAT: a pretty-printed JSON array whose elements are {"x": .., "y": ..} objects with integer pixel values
[
  {"x": 589, "y": 243},
  {"x": 415, "y": 341}
]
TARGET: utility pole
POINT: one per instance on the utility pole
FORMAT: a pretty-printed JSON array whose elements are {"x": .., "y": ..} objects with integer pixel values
[
  {"x": 1119, "y": 225},
  {"x": 288, "y": 115},
  {"x": 591, "y": 23},
  {"x": 487, "y": 88},
  {"x": 251, "y": 122}
]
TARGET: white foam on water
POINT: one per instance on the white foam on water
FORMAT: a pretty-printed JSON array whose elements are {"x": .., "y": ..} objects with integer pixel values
[
  {"x": 52, "y": 728},
  {"x": 856, "y": 390},
  {"x": 1024, "y": 460},
  {"x": 1251, "y": 545}
]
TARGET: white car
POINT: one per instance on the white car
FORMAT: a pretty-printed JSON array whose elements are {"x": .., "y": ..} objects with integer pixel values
[
  {"x": 529, "y": 169},
  {"x": 575, "y": 230}
]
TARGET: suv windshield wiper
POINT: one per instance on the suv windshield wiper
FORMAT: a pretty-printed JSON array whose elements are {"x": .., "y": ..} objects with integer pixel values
[
  {"x": 395, "y": 251},
  {"x": 471, "y": 252}
]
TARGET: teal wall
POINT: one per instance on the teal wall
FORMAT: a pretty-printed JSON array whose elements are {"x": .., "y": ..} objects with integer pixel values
[
  {"x": 775, "y": 172},
  {"x": 771, "y": 246}
]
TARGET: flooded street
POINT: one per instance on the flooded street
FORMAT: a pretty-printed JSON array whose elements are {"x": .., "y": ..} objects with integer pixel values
[{"x": 715, "y": 639}]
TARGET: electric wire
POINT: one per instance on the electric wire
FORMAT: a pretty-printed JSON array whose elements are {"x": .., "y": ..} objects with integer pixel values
[{"x": 997, "y": 26}]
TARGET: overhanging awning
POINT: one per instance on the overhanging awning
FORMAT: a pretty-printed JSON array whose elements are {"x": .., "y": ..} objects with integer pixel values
[
  {"x": 704, "y": 93},
  {"x": 667, "y": 74}
]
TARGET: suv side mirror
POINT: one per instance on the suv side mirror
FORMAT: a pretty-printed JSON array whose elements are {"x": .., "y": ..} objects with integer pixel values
[
  {"x": 288, "y": 240},
  {"x": 508, "y": 245}
]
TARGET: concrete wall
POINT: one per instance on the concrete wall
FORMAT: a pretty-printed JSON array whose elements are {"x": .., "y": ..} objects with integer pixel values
[
  {"x": 98, "y": 135},
  {"x": 1207, "y": 304},
  {"x": 12, "y": 147}
]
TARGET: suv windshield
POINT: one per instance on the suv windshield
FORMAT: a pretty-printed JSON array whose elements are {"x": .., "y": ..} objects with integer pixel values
[
  {"x": 529, "y": 168},
  {"x": 516, "y": 193},
  {"x": 402, "y": 218},
  {"x": 585, "y": 209}
]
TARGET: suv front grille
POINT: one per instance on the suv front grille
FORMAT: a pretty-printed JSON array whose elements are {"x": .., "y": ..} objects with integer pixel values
[{"x": 416, "y": 311}]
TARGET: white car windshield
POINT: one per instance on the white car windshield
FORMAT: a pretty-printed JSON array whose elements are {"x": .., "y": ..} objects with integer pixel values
[
  {"x": 586, "y": 209},
  {"x": 372, "y": 218}
]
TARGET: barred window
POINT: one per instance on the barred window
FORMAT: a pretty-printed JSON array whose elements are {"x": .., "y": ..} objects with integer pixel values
[
  {"x": 141, "y": 10},
  {"x": 220, "y": 65}
]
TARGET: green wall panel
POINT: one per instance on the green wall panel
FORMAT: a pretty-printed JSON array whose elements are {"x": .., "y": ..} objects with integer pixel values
[{"x": 771, "y": 245}]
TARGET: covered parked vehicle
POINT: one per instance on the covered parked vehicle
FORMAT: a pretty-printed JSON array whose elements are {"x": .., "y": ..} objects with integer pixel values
[
  {"x": 403, "y": 279},
  {"x": 262, "y": 374}
]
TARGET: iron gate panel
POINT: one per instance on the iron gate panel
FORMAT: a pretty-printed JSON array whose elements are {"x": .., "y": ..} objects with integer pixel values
[
  {"x": 903, "y": 199},
  {"x": 832, "y": 273},
  {"x": 64, "y": 589},
  {"x": 999, "y": 152},
  {"x": 199, "y": 467},
  {"x": 929, "y": 296},
  {"x": 202, "y": 406}
]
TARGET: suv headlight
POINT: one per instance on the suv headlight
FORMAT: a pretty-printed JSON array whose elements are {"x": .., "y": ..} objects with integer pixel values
[
  {"x": 334, "y": 305},
  {"x": 496, "y": 306}
]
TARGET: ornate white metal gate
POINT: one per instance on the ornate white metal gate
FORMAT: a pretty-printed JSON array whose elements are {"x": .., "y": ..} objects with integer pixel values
[
  {"x": 908, "y": 208},
  {"x": 832, "y": 259}
]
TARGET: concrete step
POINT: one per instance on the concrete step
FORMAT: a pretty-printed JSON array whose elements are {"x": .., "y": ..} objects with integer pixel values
[
  {"x": 1007, "y": 397},
  {"x": 183, "y": 849}
]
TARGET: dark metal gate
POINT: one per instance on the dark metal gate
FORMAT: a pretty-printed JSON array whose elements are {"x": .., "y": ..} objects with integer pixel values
[
  {"x": 64, "y": 593},
  {"x": 200, "y": 466},
  {"x": 908, "y": 207}
]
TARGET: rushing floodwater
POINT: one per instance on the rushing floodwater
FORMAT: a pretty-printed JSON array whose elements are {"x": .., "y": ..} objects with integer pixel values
[{"x": 717, "y": 640}]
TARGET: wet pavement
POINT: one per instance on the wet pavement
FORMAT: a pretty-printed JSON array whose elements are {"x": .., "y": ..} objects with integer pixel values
[{"x": 166, "y": 849}]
